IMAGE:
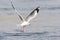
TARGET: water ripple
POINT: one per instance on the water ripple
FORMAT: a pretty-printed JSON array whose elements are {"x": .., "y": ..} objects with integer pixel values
[
  {"x": 25, "y": 9},
  {"x": 23, "y": 34}
]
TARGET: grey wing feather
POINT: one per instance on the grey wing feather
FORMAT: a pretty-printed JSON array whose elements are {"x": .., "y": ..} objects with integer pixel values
[
  {"x": 12, "y": 5},
  {"x": 16, "y": 11},
  {"x": 30, "y": 16},
  {"x": 20, "y": 17}
]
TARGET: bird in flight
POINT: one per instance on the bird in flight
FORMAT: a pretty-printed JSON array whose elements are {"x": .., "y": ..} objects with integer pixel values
[{"x": 26, "y": 21}]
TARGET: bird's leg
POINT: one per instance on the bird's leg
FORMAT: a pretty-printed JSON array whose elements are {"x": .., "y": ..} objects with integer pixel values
[{"x": 22, "y": 29}]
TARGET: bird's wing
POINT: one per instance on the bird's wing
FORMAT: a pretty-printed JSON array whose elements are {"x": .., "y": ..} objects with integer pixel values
[
  {"x": 17, "y": 12},
  {"x": 31, "y": 15}
]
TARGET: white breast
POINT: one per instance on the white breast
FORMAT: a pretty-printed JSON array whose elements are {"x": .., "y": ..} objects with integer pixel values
[{"x": 24, "y": 23}]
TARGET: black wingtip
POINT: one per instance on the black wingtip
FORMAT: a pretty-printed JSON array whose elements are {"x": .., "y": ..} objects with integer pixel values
[
  {"x": 12, "y": 5},
  {"x": 37, "y": 8}
]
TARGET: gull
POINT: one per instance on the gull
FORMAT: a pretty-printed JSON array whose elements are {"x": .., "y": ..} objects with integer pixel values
[{"x": 26, "y": 21}]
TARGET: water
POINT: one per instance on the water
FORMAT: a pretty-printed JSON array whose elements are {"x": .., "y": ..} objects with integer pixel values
[
  {"x": 28, "y": 36},
  {"x": 46, "y": 26}
]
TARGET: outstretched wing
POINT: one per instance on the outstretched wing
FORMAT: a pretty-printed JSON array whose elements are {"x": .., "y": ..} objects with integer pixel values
[
  {"x": 17, "y": 12},
  {"x": 32, "y": 14}
]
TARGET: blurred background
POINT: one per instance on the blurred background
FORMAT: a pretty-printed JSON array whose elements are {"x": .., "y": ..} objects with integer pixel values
[{"x": 48, "y": 19}]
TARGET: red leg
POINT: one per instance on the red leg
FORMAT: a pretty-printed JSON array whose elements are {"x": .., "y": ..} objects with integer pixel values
[{"x": 22, "y": 29}]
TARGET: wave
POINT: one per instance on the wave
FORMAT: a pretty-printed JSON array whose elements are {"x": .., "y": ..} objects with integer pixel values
[
  {"x": 31, "y": 8},
  {"x": 5, "y": 9},
  {"x": 22, "y": 33},
  {"x": 50, "y": 8},
  {"x": 33, "y": 0},
  {"x": 27, "y": 36}
]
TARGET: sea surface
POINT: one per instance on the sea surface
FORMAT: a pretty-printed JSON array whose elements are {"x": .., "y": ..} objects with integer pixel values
[{"x": 46, "y": 26}]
